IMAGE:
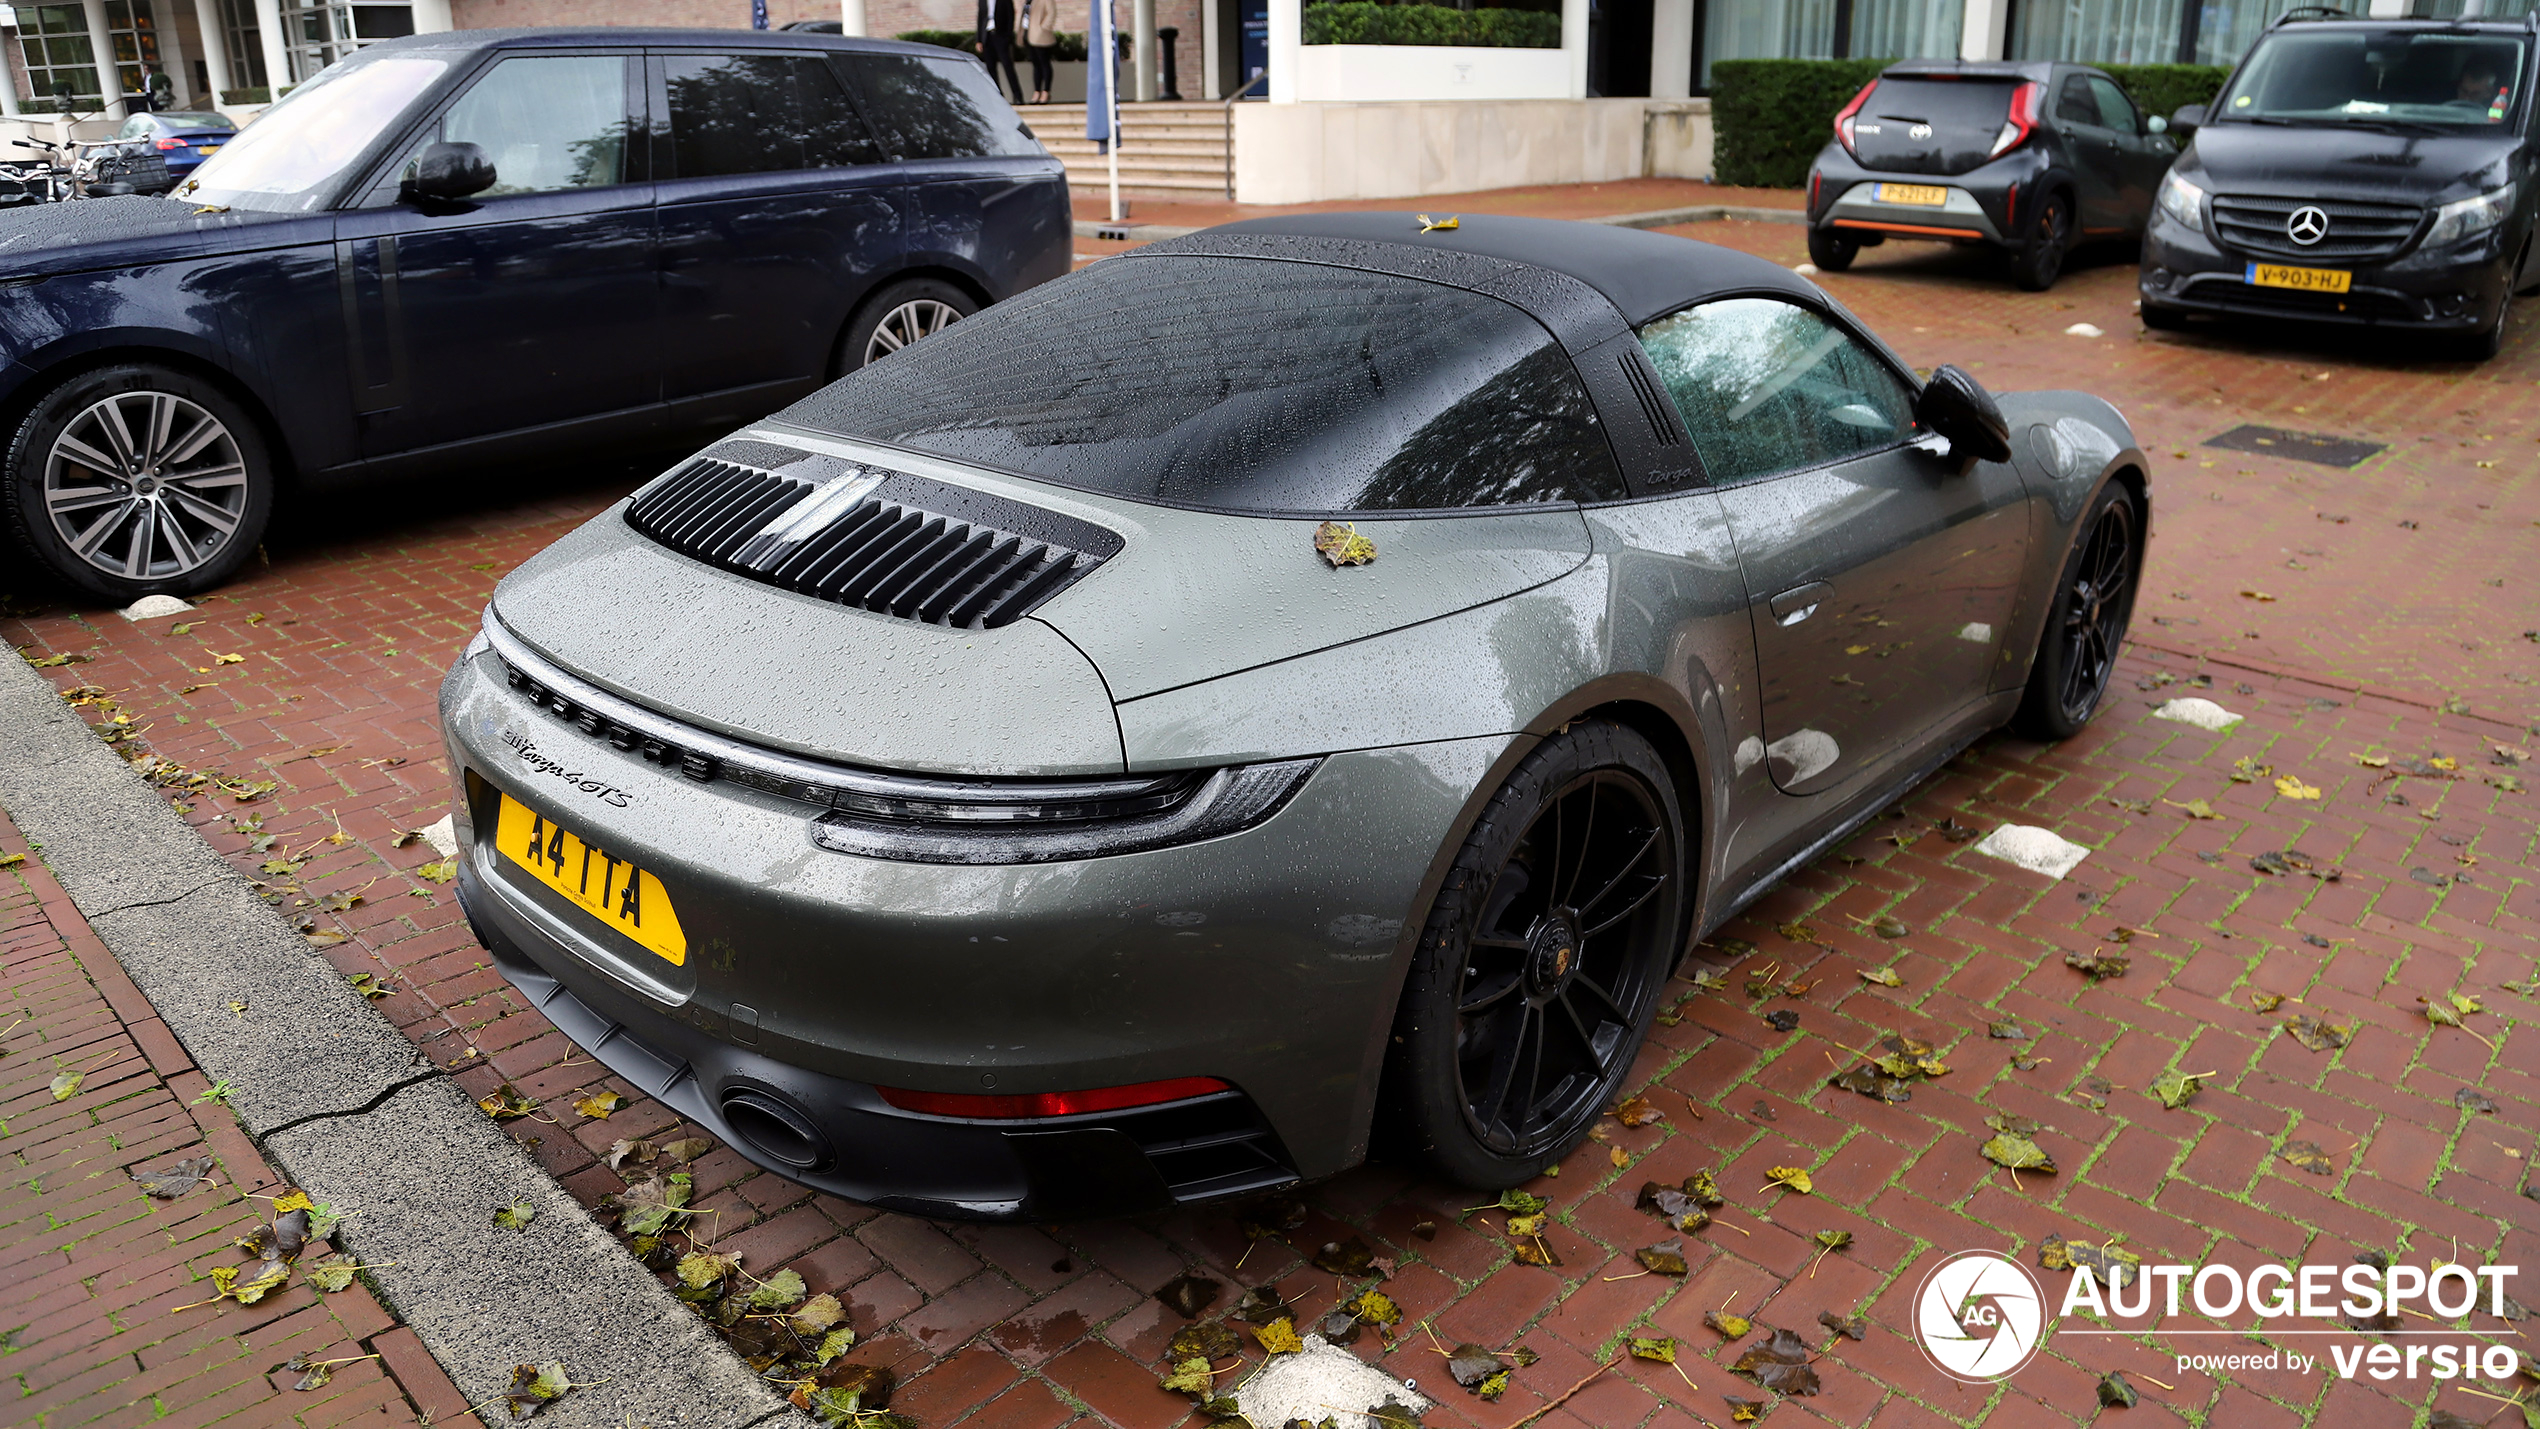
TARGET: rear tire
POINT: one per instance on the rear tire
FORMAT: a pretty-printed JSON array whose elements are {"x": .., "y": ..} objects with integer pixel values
[
  {"x": 2086, "y": 624},
  {"x": 2040, "y": 260},
  {"x": 1831, "y": 251},
  {"x": 137, "y": 480},
  {"x": 1542, "y": 961},
  {"x": 901, "y": 313}
]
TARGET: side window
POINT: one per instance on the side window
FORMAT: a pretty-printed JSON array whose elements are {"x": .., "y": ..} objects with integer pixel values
[
  {"x": 2074, "y": 103},
  {"x": 940, "y": 108},
  {"x": 761, "y": 114},
  {"x": 2115, "y": 110},
  {"x": 1769, "y": 386},
  {"x": 548, "y": 122}
]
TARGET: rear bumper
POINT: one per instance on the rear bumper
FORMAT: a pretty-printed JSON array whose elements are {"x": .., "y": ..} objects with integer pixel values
[
  {"x": 1980, "y": 208},
  {"x": 1961, "y": 218},
  {"x": 2453, "y": 290}
]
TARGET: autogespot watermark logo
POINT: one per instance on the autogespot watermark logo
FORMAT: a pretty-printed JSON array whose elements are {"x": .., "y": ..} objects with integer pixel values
[{"x": 1980, "y": 1316}]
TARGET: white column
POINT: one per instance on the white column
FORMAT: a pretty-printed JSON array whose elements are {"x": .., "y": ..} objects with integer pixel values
[
  {"x": 2389, "y": 9},
  {"x": 172, "y": 54},
  {"x": 1671, "y": 49},
  {"x": 213, "y": 31},
  {"x": 1142, "y": 48},
  {"x": 1287, "y": 35},
  {"x": 276, "y": 46},
  {"x": 1982, "y": 37},
  {"x": 432, "y": 17},
  {"x": 851, "y": 16},
  {"x": 1212, "y": 73},
  {"x": 1574, "y": 44},
  {"x": 103, "y": 44},
  {"x": 9, "y": 78}
]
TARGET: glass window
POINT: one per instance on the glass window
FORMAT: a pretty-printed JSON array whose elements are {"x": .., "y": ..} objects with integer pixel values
[
  {"x": 2075, "y": 104},
  {"x": 1246, "y": 385},
  {"x": 320, "y": 32},
  {"x": 761, "y": 114},
  {"x": 2371, "y": 78},
  {"x": 2115, "y": 110},
  {"x": 1769, "y": 386},
  {"x": 1907, "y": 29},
  {"x": 940, "y": 108},
  {"x": 292, "y": 155},
  {"x": 1766, "y": 30},
  {"x": 61, "y": 66},
  {"x": 548, "y": 122},
  {"x": 2099, "y": 32}
]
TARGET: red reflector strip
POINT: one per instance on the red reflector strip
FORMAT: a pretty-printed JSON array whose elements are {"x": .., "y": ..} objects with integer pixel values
[{"x": 1028, "y": 1104}]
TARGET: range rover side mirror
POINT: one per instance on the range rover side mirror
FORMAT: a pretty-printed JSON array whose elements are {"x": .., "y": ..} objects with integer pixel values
[
  {"x": 2187, "y": 119},
  {"x": 1956, "y": 407},
  {"x": 446, "y": 173}
]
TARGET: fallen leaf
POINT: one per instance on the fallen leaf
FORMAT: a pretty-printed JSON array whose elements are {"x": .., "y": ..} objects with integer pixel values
[
  {"x": 781, "y": 1291},
  {"x": 1188, "y": 1375},
  {"x": 1659, "y": 1348},
  {"x": 2007, "y": 1031},
  {"x": 331, "y": 1274},
  {"x": 66, "y": 1085},
  {"x": 1794, "y": 1177},
  {"x": 228, "y": 659},
  {"x": 507, "y": 1103},
  {"x": 174, "y": 1181},
  {"x": 1535, "y": 1252},
  {"x": 2373, "y": 761},
  {"x": 1884, "y": 977},
  {"x": 1637, "y": 1112},
  {"x": 2195, "y": 808},
  {"x": 2019, "y": 1153},
  {"x": 1664, "y": 1258},
  {"x": 1206, "y": 1342},
  {"x": 1782, "y": 1020},
  {"x": 2093, "y": 1093},
  {"x": 1833, "y": 1240},
  {"x": 1374, "y": 1307},
  {"x": 650, "y": 1205},
  {"x": 1188, "y": 1295},
  {"x": 516, "y": 1216},
  {"x": 1780, "y": 1363},
  {"x": 2309, "y": 1156},
  {"x": 1520, "y": 1203},
  {"x": 2246, "y": 770},
  {"x": 837, "y": 1342},
  {"x": 2472, "y": 1099},
  {"x": 2115, "y": 1392},
  {"x": 2098, "y": 964},
  {"x": 369, "y": 986},
  {"x": 2315, "y": 1034},
  {"x": 1490, "y": 1389},
  {"x": 1736, "y": 1327},
  {"x": 1340, "y": 544},
  {"x": 685, "y": 1150},
  {"x": 598, "y": 1105},
  {"x": 441, "y": 872},
  {"x": 2292, "y": 787},
  {"x": 1855, "y": 1327},
  {"x": 1887, "y": 926},
  {"x": 1349, "y": 1257},
  {"x": 626, "y": 1149},
  {"x": 2265, "y": 1001},
  {"x": 1743, "y": 1411},
  {"x": 1470, "y": 1364},
  {"x": 2173, "y": 1088},
  {"x": 1261, "y": 1305},
  {"x": 1279, "y": 1337},
  {"x": 534, "y": 1387}
]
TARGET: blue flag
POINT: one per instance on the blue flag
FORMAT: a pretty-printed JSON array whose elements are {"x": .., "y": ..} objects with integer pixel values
[
  {"x": 1101, "y": 74},
  {"x": 758, "y": 14}
]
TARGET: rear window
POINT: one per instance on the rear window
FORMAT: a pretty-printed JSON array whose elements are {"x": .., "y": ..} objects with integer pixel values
[
  {"x": 1977, "y": 106},
  {"x": 1244, "y": 385},
  {"x": 944, "y": 108}
]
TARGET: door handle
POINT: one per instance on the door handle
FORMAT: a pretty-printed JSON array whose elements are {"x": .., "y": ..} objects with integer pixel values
[{"x": 1799, "y": 602}]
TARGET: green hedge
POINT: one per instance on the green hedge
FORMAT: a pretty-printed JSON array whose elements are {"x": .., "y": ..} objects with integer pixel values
[
  {"x": 1363, "y": 22},
  {"x": 2160, "y": 89},
  {"x": 1070, "y": 47},
  {"x": 1772, "y": 116}
]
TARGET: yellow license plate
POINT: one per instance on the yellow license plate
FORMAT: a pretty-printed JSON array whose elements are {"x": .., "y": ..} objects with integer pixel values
[
  {"x": 2309, "y": 280},
  {"x": 612, "y": 889},
  {"x": 205, "y": 148},
  {"x": 1922, "y": 195}
]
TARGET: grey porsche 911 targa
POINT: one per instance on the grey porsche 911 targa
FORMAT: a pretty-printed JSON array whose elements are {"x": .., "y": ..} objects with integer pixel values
[{"x": 1302, "y": 684}]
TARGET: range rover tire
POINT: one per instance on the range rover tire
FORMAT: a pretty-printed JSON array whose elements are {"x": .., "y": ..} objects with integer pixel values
[
  {"x": 137, "y": 480},
  {"x": 2086, "y": 624},
  {"x": 1832, "y": 251},
  {"x": 2039, "y": 260},
  {"x": 1542, "y": 961},
  {"x": 898, "y": 315}
]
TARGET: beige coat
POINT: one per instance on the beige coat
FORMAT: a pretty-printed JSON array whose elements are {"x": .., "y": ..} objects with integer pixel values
[{"x": 1041, "y": 30}]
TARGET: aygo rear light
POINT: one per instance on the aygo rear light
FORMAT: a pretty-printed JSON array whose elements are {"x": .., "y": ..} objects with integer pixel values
[
  {"x": 1034, "y": 1104},
  {"x": 1843, "y": 118},
  {"x": 2026, "y": 102}
]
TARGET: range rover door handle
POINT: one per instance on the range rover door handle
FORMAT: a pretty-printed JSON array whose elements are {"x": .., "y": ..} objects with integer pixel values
[{"x": 1799, "y": 602}]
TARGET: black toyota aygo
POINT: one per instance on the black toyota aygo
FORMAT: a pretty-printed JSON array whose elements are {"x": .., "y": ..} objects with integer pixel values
[{"x": 2356, "y": 171}]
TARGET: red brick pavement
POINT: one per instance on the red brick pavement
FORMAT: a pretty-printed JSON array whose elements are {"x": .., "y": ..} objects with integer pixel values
[
  {"x": 342, "y": 643},
  {"x": 99, "y": 1283}
]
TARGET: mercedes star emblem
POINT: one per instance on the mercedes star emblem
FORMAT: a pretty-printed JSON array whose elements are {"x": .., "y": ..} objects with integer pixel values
[{"x": 2306, "y": 225}]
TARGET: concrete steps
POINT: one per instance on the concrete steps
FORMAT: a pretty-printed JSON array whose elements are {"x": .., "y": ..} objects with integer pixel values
[{"x": 1165, "y": 147}]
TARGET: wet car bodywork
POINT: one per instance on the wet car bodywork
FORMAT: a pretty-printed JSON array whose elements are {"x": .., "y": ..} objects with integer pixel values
[{"x": 1284, "y": 757}]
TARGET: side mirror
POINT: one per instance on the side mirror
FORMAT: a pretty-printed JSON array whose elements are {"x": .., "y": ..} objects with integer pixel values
[
  {"x": 1956, "y": 406},
  {"x": 445, "y": 173},
  {"x": 2156, "y": 125},
  {"x": 2187, "y": 119}
]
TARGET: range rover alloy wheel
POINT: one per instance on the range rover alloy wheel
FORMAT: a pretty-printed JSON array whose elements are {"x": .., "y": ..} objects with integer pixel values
[
  {"x": 900, "y": 314},
  {"x": 138, "y": 480},
  {"x": 1542, "y": 961}
]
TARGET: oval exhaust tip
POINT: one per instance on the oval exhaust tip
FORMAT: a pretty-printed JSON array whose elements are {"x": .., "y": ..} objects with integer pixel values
[{"x": 775, "y": 1129}]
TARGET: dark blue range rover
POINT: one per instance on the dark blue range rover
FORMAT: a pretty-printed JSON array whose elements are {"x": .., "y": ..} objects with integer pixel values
[{"x": 487, "y": 244}]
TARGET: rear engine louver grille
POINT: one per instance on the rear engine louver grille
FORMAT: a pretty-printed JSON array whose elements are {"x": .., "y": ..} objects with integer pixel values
[{"x": 889, "y": 542}]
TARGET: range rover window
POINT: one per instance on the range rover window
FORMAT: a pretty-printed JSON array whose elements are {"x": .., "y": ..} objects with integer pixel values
[
  {"x": 1246, "y": 385},
  {"x": 940, "y": 108},
  {"x": 547, "y": 121},
  {"x": 2368, "y": 78},
  {"x": 761, "y": 114},
  {"x": 1768, "y": 386}
]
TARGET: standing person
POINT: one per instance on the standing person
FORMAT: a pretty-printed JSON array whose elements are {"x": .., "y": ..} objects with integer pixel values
[
  {"x": 1040, "y": 44},
  {"x": 996, "y": 42}
]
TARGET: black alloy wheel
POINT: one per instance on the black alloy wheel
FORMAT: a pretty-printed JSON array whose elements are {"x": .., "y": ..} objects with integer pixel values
[
  {"x": 2094, "y": 603},
  {"x": 2040, "y": 260},
  {"x": 1543, "y": 959}
]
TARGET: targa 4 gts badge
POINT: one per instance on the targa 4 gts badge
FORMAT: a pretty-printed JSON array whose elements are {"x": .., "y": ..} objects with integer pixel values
[
  {"x": 1979, "y": 1316},
  {"x": 538, "y": 763}
]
